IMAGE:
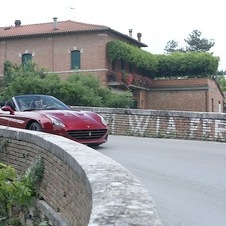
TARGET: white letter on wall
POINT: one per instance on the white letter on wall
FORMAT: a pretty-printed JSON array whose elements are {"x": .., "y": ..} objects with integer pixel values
[
  {"x": 137, "y": 124},
  {"x": 220, "y": 127},
  {"x": 206, "y": 129},
  {"x": 194, "y": 126},
  {"x": 171, "y": 126},
  {"x": 157, "y": 125}
]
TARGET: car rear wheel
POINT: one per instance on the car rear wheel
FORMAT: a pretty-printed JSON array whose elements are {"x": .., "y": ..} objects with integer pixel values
[{"x": 35, "y": 126}]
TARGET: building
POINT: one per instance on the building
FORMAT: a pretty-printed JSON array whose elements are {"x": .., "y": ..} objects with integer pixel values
[
  {"x": 65, "y": 46},
  {"x": 61, "y": 47},
  {"x": 193, "y": 94}
]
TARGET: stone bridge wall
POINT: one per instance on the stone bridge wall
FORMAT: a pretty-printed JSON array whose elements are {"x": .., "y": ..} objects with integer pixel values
[
  {"x": 80, "y": 186},
  {"x": 164, "y": 124}
]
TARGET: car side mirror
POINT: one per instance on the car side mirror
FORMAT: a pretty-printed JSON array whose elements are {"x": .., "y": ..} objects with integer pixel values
[{"x": 8, "y": 108}]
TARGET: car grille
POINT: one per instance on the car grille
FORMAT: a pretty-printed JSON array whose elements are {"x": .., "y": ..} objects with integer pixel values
[{"x": 87, "y": 134}]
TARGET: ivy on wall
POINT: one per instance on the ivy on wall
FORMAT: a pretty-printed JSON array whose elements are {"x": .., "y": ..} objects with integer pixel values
[
  {"x": 177, "y": 64},
  {"x": 189, "y": 64},
  {"x": 118, "y": 50}
]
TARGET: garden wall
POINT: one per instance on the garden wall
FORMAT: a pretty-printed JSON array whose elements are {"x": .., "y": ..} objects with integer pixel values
[
  {"x": 80, "y": 186},
  {"x": 164, "y": 124}
]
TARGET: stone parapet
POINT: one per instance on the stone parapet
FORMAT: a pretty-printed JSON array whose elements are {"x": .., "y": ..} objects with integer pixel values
[
  {"x": 164, "y": 124},
  {"x": 80, "y": 186}
]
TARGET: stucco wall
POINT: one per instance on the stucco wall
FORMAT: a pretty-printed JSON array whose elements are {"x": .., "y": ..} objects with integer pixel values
[
  {"x": 80, "y": 186},
  {"x": 167, "y": 124}
]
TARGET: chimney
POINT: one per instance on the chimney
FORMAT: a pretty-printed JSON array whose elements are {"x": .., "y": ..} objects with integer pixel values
[
  {"x": 130, "y": 33},
  {"x": 17, "y": 23},
  {"x": 55, "y": 23},
  {"x": 139, "y": 37}
]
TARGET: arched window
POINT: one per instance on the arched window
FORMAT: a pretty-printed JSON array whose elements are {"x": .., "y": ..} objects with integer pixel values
[
  {"x": 75, "y": 59},
  {"x": 26, "y": 58}
]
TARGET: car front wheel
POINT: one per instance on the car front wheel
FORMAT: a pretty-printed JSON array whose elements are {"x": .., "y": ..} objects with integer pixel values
[{"x": 35, "y": 126}]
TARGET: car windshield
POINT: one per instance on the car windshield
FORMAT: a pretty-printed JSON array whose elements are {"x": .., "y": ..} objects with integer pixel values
[{"x": 38, "y": 102}]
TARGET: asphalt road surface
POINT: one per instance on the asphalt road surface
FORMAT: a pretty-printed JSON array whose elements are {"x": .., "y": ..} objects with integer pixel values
[{"x": 186, "y": 179}]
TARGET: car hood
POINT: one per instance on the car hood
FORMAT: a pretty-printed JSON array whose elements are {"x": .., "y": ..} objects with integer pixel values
[{"x": 76, "y": 119}]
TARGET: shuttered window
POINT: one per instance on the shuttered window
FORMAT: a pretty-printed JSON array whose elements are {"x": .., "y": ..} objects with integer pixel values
[
  {"x": 75, "y": 59},
  {"x": 26, "y": 58}
]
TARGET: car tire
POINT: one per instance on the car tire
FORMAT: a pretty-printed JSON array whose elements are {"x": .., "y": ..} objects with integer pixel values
[
  {"x": 93, "y": 145},
  {"x": 35, "y": 126}
]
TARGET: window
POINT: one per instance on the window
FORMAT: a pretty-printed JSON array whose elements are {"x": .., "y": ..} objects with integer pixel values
[
  {"x": 26, "y": 58},
  {"x": 75, "y": 59},
  {"x": 212, "y": 104},
  {"x": 219, "y": 107},
  {"x": 122, "y": 65}
]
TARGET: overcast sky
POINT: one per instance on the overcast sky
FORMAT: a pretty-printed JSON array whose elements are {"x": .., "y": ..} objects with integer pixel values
[{"x": 159, "y": 21}]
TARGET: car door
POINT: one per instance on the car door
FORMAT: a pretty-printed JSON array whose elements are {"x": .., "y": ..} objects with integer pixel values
[
  {"x": 4, "y": 121},
  {"x": 15, "y": 119}
]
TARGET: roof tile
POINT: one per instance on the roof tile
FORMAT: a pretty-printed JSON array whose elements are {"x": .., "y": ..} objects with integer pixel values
[{"x": 48, "y": 28}]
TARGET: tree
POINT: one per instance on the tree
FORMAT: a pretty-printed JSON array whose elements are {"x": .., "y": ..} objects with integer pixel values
[
  {"x": 187, "y": 65},
  {"x": 194, "y": 41},
  {"x": 172, "y": 46},
  {"x": 198, "y": 44},
  {"x": 78, "y": 89},
  {"x": 221, "y": 79},
  {"x": 13, "y": 70}
]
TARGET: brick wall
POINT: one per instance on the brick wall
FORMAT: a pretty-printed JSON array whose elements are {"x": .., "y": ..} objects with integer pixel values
[
  {"x": 54, "y": 52},
  {"x": 65, "y": 190},
  {"x": 179, "y": 100},
  {"x": 165, "y": 124},
  {"x": 199, "y": 94},
  {"x": 81, "y": 186}
]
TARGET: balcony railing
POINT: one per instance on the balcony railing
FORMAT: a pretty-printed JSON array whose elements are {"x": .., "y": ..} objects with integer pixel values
[{"x": 129, "y": 80}]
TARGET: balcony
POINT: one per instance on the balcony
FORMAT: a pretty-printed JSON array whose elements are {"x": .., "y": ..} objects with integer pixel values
[{"x": 128, "y": 80}]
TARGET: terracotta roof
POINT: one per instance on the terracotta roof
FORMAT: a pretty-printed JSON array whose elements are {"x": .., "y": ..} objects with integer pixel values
[
  {"x": 48, "y": 28},
  {"x": 58, "y": 27}
]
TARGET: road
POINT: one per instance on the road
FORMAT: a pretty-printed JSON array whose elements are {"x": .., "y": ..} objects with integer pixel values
[{"x": 186, "y": 179}]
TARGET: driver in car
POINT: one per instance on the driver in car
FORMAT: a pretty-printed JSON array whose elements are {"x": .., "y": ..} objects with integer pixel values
[{"x": 38, "y": 103}]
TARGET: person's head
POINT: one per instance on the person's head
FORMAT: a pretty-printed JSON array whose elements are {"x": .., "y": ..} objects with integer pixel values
[{"x": 38, "y": 103}]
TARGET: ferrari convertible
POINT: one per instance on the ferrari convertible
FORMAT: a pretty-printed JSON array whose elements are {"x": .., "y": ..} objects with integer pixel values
[{"x": 48, "y": 114}]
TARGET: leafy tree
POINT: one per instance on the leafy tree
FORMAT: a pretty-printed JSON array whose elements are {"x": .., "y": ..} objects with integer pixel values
[
  {"x": 221, "y": 72},
  {"x": 198, "y": 44},
  {"x": 13, "y": 70},
  {"x": 221, "y": 79},
  {"x": 172, "y": 46},
  {"x": 78, "y": 89},
  {"x": 190, "y": 64},
  {"x": 194, "y": 44}
]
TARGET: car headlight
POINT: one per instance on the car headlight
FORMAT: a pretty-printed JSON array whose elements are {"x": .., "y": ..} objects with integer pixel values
[
  {"x": 56, "y": 122},
  {"x": 103, "y": 120}
]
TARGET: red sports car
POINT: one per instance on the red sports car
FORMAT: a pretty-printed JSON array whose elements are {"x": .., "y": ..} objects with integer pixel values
[{"x": 48, "y": 114}]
